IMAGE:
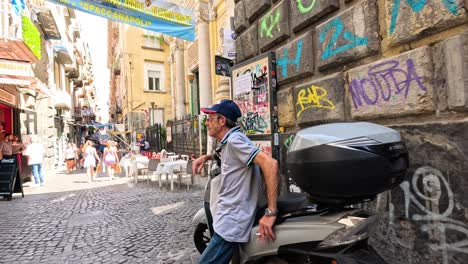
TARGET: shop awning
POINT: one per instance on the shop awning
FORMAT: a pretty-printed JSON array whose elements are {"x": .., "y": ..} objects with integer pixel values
[{"x": 16, "y": 50}]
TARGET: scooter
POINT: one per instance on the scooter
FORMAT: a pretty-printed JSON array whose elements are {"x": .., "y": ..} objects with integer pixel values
[{"x": 337, "y": 166}]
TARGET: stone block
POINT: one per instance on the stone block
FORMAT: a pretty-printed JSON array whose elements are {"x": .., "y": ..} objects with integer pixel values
[
  {"x": 239, "y": 50},
  {"x": 350, "y": 35},
  {"x": 434, "y": 188},
  {"x": 273, "y": 27},
  {"x": 247, "y": 44},
  {"x": 254, "y": 9},
  {"x": 320, "y": 100},
  {"x": 439, "y": 77},
  {"x": 240, "y": 22},
  {"x": 295, "y": 59},
  {"x": 286, "y": 114},
  {"x": 408, "y": 20},
  {"x": 397, "y": 86},
  {"x": 304, "y": 12},
  {"x": 456, "y": 63}
]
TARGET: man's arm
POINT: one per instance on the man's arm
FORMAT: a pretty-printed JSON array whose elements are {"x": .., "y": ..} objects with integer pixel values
[
  {"x": 269, "y": 168},
  {"x": 198, "y": 164}
]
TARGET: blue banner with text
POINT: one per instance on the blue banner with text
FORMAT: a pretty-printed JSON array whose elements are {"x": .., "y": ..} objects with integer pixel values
[{"x": 155, "y": 15}]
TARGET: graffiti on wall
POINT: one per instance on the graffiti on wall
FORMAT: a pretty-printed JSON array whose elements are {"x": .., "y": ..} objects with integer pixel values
[
  {"x": 312, "y": 97},
  {"x": 416, "y": 6},
  {"x": 336, "y": 27},
  {"x": 251, "y": 93},
  {"x": 284, "y": 61},
  {"x": 430, "y": 195},
  {"x": 385, "y": 81},
  {"x": 305, "y": 9},
  {"x": 269, "y": 23}
]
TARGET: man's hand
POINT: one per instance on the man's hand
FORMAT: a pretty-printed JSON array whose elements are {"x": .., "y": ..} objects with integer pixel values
[
  {"x": 265, "y": 228},
  {"x": 198, "y": 164}
]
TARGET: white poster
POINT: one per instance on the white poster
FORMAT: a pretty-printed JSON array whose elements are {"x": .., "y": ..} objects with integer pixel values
[{"x": 243, "y": 84}]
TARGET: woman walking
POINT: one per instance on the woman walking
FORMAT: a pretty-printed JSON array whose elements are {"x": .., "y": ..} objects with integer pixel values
[
  {"x": 110, "y": 158},
  {"x": 90, "y": 157},
  {"x": 70, "y": 157}
]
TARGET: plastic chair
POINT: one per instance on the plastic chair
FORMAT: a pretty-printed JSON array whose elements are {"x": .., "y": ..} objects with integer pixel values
[
  {"x": 152, "y": 167},
  {"x": 187, "y": 174}
]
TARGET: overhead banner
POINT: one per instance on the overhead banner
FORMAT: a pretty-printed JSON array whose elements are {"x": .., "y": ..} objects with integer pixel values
[{"x": 155, "y": 15}]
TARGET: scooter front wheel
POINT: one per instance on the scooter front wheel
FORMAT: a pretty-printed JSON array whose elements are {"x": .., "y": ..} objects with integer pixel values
[{"x": 201, "y": 237}]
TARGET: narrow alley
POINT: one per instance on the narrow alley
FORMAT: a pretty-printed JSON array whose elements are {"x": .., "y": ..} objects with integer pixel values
[{"x": 71, "y": 221}]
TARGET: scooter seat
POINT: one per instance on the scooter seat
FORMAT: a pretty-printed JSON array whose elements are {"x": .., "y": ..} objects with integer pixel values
[{"x": 286, "y": 203}]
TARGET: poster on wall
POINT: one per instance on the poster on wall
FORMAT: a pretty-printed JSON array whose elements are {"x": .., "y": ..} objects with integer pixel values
[
  {"x": 254, "y": 90},
  {"x": 263, "y": 145}
]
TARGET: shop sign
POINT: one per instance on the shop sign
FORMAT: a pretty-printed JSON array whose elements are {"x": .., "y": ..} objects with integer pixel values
[
  {"x": 15, "y": 68},
  {"x": 7, "y": 97}
]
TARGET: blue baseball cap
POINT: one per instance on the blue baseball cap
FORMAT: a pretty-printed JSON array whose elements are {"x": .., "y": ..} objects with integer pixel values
[{"x": 226, "y": 107}]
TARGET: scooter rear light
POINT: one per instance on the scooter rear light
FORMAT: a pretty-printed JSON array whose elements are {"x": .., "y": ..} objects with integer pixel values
[{"x": 354, "y": 229}]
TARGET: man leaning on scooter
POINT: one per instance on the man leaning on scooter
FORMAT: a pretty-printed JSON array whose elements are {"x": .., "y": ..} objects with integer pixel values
[{"x": 239, "y": 185}]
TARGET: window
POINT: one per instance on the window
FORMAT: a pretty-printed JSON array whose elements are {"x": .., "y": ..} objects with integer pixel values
[
  {"x": 151, "y": 39},
  {"x": 154, "y": 77},
  {"x": 154, "y": 80}
]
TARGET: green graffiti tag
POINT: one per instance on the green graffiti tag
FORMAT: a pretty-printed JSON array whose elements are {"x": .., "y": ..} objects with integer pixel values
[
  {"x": 269, "y": 23},
  {"x": 304, "y": 9},
  {"x": 288, "y": 142}
]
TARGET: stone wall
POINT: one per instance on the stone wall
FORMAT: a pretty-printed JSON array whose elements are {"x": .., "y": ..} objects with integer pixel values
[{"x": 400, "y": 63}]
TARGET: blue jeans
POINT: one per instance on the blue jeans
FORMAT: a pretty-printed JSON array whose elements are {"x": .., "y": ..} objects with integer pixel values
[
  {"x": 37, "y": 173},
  {"x": 219, "y": 251}
]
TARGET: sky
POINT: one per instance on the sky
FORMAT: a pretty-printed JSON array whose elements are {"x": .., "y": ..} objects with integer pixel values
[{"x": 94, "y": 32}]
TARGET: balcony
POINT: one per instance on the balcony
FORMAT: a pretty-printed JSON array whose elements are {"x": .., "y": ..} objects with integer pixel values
[
  {"x": 62, "y": 100},
  {"x": 62, "y": 54},
  {"x": 48, "y": 24}
]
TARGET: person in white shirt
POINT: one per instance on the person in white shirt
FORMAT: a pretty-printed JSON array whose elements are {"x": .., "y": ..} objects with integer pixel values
[
  {"x": 35, "y": 152},
  {"x": 70, "y": 157}
]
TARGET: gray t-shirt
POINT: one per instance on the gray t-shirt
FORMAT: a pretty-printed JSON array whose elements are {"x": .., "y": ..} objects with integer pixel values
[{"x": 239, "y": 186}]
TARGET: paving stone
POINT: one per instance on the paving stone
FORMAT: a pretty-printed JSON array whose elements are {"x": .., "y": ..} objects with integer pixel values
[
  {"x": 273, "y": 27},
  {"x": 320, "y": 100},
  {"x": 124, "y": 228},
  {"x": 396, "y": 86},
  {"x": 348, "y": 36},
  {"x": 305, "y": 12},
  {"x": 295, "y": 59},
  {"x": 412, "y": 19}
]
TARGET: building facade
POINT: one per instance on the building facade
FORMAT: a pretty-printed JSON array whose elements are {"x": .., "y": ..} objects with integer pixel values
[
  {"x": 41, "y": 66},
  {"x": 141, "y": 84}
]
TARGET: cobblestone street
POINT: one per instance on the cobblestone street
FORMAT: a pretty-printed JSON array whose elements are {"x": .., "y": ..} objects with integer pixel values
[{"x": 72, "y": 221}]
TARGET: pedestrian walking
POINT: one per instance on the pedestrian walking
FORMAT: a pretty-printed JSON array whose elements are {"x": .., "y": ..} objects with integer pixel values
[
  {"x": 70, "y": 157},
  {"x": 90, "y": 158},
  {"x": 80, "y": 157},
  {"x": 110, "y": 158},
  {"x": 35, "y": 153},
  {"x": 237, "y": 186}
]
